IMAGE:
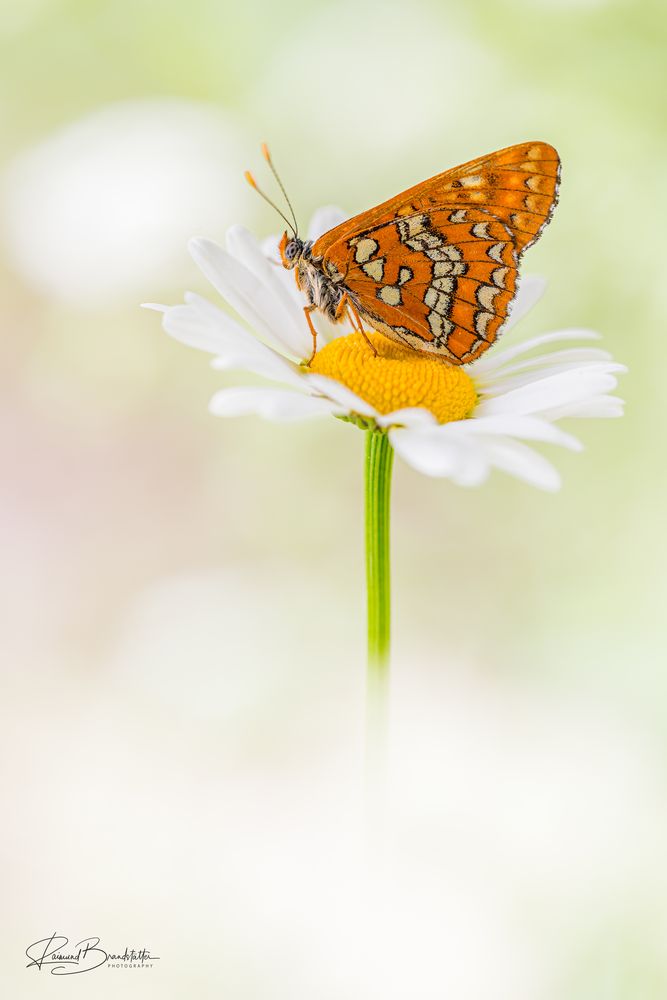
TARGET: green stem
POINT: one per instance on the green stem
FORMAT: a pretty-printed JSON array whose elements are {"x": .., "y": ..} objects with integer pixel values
[{"x": 379, "y": 460}]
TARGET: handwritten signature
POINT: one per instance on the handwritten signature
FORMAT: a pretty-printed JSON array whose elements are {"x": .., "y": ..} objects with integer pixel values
[{"x": 85, "y": 956}]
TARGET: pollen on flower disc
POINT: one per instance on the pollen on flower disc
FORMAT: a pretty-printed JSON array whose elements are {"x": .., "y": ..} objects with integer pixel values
[{"x": 398, "y": 377}]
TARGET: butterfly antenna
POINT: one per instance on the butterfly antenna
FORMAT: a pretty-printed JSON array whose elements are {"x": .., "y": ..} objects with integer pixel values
[
  {"x": 253, "y": 184},
  {"x": 267, "y": 157}
]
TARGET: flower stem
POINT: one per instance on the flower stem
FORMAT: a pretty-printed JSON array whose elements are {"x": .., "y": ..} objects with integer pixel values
[{"x": 379, "y": 461}]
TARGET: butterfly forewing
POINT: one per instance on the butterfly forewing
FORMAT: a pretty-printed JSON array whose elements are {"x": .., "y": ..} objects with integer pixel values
[{"x": 436, "y": 266}]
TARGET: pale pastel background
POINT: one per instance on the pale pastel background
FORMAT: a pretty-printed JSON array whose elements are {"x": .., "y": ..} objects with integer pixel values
[{"x": 183, "y": 597}]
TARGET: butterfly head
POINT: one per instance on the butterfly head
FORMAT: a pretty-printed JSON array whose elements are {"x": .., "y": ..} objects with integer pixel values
[{"x": 291, "y": 249}]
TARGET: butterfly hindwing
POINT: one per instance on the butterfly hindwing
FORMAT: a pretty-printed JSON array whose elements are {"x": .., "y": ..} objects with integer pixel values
[{"x": 439, "y": 281}]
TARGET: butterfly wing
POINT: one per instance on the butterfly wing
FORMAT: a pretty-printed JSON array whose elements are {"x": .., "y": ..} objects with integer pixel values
[
  {"x": 440, "y": 282},
  {"x": 435, "y": 267}
]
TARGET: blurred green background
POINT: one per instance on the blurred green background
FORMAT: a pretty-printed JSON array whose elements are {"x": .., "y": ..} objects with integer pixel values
[{"x": 183, "y": 596}]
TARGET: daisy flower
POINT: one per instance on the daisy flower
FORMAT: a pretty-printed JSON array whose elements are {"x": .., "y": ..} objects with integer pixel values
[{"x": 443, "y": 420}]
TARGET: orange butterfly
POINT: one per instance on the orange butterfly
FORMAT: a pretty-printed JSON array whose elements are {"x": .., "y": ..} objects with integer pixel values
[{"x": 435, "y": 267}]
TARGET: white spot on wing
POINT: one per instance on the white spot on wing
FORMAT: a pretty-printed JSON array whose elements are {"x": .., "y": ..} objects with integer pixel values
[
  {"x": 412, "y": 226},
  {"x": 498, "y": 276},
  {"x": 390, "y": 295},
  {"x": 482, "y": 321},
  {"x": 496, "y": 252},
  {"x": 366, "y": 247},
  {"x": 425, "y": 241},
  {"x": 486, "y": 295},
  {"x": 444, "y": 253},
  {"x": 374, "y": 269},
  {"x": 436, "y": 301},
  {"x": 440, "y": 325},
  {"x": 443, "y": 284},
  {"x": 480, "y": 230}
]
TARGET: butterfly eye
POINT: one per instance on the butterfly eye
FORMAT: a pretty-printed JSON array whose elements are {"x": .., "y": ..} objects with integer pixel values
[{"x": 291, "y": 250}]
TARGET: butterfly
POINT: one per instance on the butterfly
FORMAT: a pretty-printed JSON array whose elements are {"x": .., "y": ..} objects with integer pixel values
[{"x": 434, "y": 268}]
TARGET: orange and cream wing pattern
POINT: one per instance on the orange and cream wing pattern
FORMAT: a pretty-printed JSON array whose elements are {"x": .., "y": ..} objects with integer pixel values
[
  {"x": 436, "y": 266},
  {"x": 443, "y": 286}
]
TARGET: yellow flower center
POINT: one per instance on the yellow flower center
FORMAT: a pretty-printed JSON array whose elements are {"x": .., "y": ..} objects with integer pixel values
[{"x": 397, "y": 377}]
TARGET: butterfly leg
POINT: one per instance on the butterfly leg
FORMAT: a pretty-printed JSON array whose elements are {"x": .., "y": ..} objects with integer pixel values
[
  {"x": 306, "y": 312},
  {"x": 355, "y": 319}
]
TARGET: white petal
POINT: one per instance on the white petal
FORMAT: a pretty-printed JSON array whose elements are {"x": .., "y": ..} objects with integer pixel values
[
  {"x": 493, "y": 360},
  {"x": 269, "y": 246},
  {"x": 567, "y": 356},
  {"x": 465, "y": 458},
  {"x": 409, "y": 416},
  {"x": 599, "y": 407},
  {"x": 528, "y": 428},
  {"x": 433, "y": 451},
  {"x": 224, "y": 329},
  {"x": 269, "y": 403},
  {"x": 185, "y": 324},
  {"x": 155, "y": 305},
  {"x": 325, "y": 219},
  {"x": 430, "y": 454},
  {"x": 502, "y": 385},
  {"x": 530, "y": 290},
  {"x": 255, "y": 302},
  {"x": 271, "y": 366},
  {"x": 544, "y": 394},
  {"x": 522, "y": 462},
  {"x": 474, "y": 470},
  {"x": 340, "y": 393},
  {"x": 203, "y": 325},
  {"x": 288, "y": 319}
]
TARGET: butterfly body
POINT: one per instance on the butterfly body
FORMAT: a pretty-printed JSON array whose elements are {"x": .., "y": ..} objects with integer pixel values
[
  {"x": 324, "y": 291},
  {"x": 435, "y": 267}
]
